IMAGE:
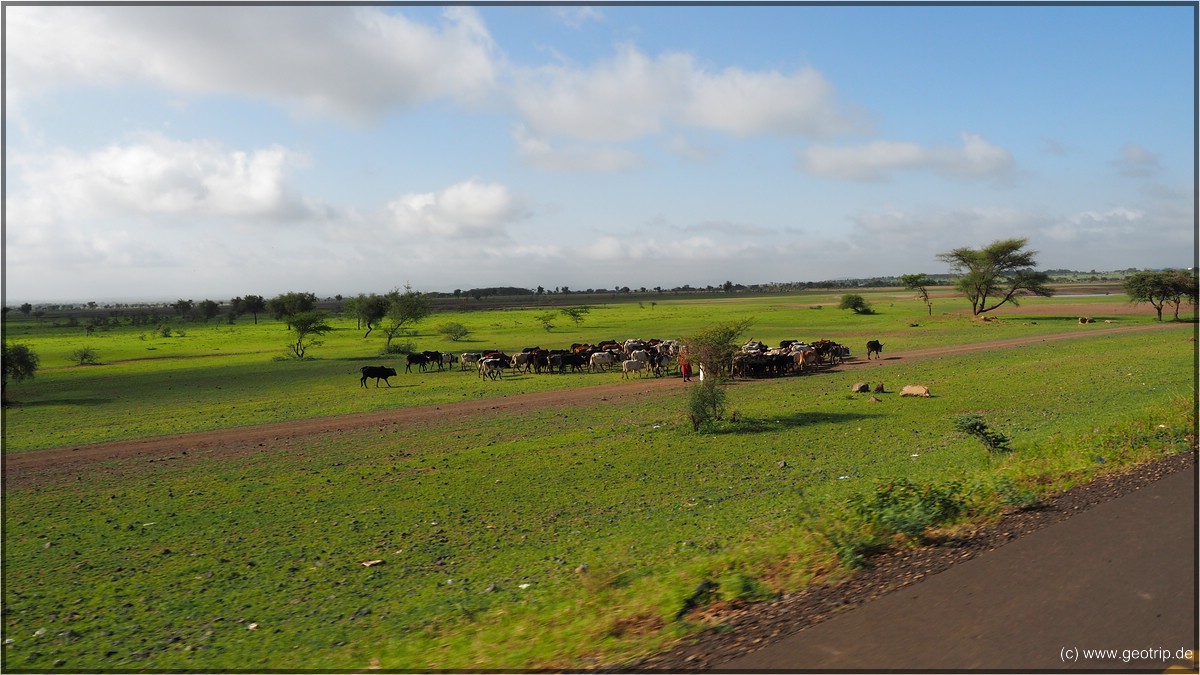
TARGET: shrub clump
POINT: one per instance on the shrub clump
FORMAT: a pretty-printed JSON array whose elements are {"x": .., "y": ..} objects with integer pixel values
[
  {"x": 973, "y": 425},
  {"x": 909, "y": 509},
  {"x": 705, "y": 404}
]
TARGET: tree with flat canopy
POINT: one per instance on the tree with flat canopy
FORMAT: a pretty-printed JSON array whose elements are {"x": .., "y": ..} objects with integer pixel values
[
  {"x": 1160, "y": 288},
  {"x": 999, "y": 273},
  {"x": 307, "y": 327}
]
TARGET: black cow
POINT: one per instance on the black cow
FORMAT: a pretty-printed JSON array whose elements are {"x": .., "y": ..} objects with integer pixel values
[
  {"x": 377, "y": 372},
  {"x": 876, "y": 347},
  {"x": 415, "y": 360}
]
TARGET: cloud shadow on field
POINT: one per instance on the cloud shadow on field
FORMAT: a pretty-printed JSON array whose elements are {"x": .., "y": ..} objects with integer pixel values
[
  {"x": 63, "y": 401},
  {"x": 754, "y": 425}
]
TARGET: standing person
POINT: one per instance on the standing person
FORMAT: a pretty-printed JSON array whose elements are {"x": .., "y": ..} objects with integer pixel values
[{"x": 685, "y": 368}]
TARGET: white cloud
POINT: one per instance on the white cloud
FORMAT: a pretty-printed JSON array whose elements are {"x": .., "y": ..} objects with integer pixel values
[
  {"x": 577, "y": 16},
  {"x": 355, "y": 64},
  {"x": 975, "y": 158},
  {"x": 1137, "y": 162},
  {"x": 744, "y": 103},
  {"x": 470, "y": 209},
  {"x": 946, "y": 228},
  {"x": 1114, "y": 224},
  {"x": 633, "y": 95},
  {"x": 579, "y": 157},
  {"x": 153, "y": 176}
]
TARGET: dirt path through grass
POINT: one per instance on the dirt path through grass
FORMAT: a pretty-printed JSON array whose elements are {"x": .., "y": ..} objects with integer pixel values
[{"x": 67, "y": 463}]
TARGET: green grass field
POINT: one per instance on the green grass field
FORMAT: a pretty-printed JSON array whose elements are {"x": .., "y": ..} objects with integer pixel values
[{"x": 550, "y": 538}]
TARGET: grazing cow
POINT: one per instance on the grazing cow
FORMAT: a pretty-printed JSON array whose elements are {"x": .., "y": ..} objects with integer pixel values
[
  {"x": 523, "y": 361},
  {"x": 491, "y": 368},
  {"x": 630, "y": 366},
  {"x": 804, "y": 359},
  {"x": 432, "y": 359},
  {"x": 915, "y": 390},
  {"x": 602, "y": 360},
  {"x": 469, "y": 357},
  {"x": 418, "y": 360},
  {"x": 875, "y": 347},
  {"x": 377, "y": 372}
]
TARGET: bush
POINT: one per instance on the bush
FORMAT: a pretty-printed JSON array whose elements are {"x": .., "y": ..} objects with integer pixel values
[
  {"x": 453, "y": 331},
  {"x": 855, "y": 302},
  {"x": 705, "y": 404},
  {"x": 399, "y": 348},
  {"x": 974, "y": 425},
  {"x": 85, "y": 356},
  {"x": 909, "y": 509}
]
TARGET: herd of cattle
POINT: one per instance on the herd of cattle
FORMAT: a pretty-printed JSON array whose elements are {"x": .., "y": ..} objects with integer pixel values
[{"x": 634, "y": 356}]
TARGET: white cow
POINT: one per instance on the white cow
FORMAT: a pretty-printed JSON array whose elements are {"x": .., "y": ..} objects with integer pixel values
[
  {"x": 630, "y": 366},
  {"x": 471, "y": 358},
  {"x": 602, "y": 360},
  {"x": 524, "y": 361}
]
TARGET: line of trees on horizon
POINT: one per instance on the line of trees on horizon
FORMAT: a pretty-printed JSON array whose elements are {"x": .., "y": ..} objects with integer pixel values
[{"x": 207, "y": 309}]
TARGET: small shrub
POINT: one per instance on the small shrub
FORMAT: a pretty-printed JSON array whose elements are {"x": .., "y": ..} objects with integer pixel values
[
  {"x": 908, "y": 508},
  {"x": 705, "y": 404},
  {"x": 453, "y": 331},
  {"x": 85, "y": 356},
  {"x": 852, "y": 545},
  {"x": 973, "y": 425},
  {"x": 399, "y": 348},
  {"x": 1015, "y": 496}
]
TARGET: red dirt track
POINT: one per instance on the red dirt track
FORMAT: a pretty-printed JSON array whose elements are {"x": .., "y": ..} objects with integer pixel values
[{"x": 56, "y": 464}]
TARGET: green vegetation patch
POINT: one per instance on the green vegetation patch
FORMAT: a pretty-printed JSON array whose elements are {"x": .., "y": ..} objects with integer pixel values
[{"x": 558, "y": 538}]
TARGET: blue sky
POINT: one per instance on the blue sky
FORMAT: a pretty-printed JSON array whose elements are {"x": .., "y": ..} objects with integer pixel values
[{"x": 159, "y": 152}]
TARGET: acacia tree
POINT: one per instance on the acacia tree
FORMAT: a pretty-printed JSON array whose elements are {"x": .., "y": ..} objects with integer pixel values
[
  {"x": 20, "y": 363},
  {"x": 576, "y": 314},
  {"x": 209, "y": 309},
  {"x": 404, "y": 309},
  {"x": 287, "y": 305},
  {"x": 1186, "y": 286},
  {"x": 254, "y": 304},
  {"x": 307, "y": 327},
  {"x": 1161, "y": 288},
  {"x": 918, "y": 282},
  {"x": 370, "y": 310},
  {"x": 1000, "y": 272},
  {"x": 855, "y": 302}
]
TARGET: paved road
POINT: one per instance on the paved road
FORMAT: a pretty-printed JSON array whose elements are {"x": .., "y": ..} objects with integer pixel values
[{"x": 1119, "y": 576}]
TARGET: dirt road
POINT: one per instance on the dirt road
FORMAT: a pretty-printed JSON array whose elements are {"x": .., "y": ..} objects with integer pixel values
[{"x": 55, "y": 464}]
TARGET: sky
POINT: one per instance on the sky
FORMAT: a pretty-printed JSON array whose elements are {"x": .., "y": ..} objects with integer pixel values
[{"x": 206, "y": 152}]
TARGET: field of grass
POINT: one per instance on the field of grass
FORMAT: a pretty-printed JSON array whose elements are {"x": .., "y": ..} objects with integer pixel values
[
  {"x": 555, "y": 538},
  {"x": 213, "y": 376}
]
